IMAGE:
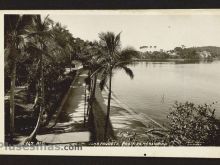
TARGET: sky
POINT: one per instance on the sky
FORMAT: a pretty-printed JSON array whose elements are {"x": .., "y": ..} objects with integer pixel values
[{"x": 164, "y": 31}]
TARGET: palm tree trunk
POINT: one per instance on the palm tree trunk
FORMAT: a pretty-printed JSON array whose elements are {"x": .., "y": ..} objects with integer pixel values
[
  {"x": 70, "y": 63},
  {"x": 108, "y": 106},
  {"x": 42, "y": 101},
  {"x": 92, "y": 93},
  {"x": 94, "y": 87},
  {"x": 12, "y": 102},
  {"x": 85, "y": 98},
  {"x": 32, "y": 137},
  {"x": 42, "y": 85},
  {"x": 36, "y": 98}
]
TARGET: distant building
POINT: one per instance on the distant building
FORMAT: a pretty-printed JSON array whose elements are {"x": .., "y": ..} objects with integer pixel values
[
  {"x": 75, "y": 65},
  {"x": 172, "y": 53},
  {"x": 205, "y": 54}
]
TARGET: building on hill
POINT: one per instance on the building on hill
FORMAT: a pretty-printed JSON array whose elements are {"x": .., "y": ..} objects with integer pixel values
[{"x": 205, "y": 54}]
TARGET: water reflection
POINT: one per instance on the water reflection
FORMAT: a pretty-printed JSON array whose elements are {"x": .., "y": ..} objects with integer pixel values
[
  {"x": 156, "y": 85},
  {"x": 175, "y": 61}
]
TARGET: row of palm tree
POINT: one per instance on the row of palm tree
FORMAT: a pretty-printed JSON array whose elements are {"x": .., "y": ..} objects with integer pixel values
[
  {"x": 44, "y": 45},
  {"x": 47, "y": 43},
  {"x": 14, "y": 48},
  {"x": 38, "y": 33},
  {"x": 116, "y": 59},
  {"x": 110, "y": 57}
]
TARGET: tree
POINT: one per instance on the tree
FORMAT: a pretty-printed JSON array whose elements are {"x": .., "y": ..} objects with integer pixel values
[
  {"x": 64, "y": 40},
  {"x": 114, "y": 58},
  {"x": 191, "y": 124},
  {"x": 183, "y": 46},
  {"x": 94, "y": 64},
  {"x": 14, "y": 48},
  {"x": 38, "y": 32}
]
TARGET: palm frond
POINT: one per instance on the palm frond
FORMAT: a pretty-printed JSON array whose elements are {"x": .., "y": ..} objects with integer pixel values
[
  {"x": 110, "y": 42},
  {"x": 18, "y": 22},
  {"x": 103, "y": 79},
  {"x": 34, "y": 49},
  {"x": 128, "y": 71},
  {"x": 46, "y": 21},
  {"x": 117, "y": 43}
]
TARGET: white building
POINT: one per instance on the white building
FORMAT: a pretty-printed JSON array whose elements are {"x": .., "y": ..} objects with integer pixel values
[{"x": 205, "y": 54}]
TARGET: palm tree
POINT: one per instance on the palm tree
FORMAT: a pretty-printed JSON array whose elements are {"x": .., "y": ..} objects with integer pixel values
[
  {"x": 95, "y": 66},
  {"x": 115, "y": 58},
  {"x": 183, "y": 46},
  {"x": 64, "y": 39},
  {"x": 38, "y": 33},
  {"x": 14, "y": 47}
]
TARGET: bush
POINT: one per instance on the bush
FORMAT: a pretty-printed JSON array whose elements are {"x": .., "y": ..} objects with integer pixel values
[{"x": 191, "y": 124}]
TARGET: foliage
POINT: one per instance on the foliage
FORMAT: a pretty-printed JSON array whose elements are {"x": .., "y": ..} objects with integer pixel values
[
  {"x": 215, "y": 51},
  {"x": 156, "y": 55},
  {"x": 187, "y": 53},
  {"x": 14, "y": 43},
  {"x": 113, "y": 58},
  {"x": 28, "y": 39},
  {"x": 191, "y": 124},
  {"x": 183, "y": 53}
]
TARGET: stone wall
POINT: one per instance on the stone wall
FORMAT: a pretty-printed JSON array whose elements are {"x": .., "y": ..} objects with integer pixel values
[{"x": 97, "y": 119}]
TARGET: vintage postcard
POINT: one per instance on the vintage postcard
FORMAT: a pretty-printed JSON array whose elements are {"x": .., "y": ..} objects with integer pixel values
[{"x": 110, "y": 83}]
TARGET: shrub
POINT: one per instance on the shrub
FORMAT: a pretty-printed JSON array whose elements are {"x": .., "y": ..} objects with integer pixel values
[{"x": 191, "y": 124}]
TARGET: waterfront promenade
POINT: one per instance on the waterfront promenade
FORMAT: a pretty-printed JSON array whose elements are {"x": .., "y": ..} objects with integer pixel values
[{"x": 68, "y": 123}]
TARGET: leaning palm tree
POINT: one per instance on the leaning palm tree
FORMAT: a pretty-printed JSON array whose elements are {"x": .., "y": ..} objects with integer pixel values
[
  {"x": 115, "y": 58},
  {"x": 94, "y": 65},
  {"x": 38, "y": 34}
]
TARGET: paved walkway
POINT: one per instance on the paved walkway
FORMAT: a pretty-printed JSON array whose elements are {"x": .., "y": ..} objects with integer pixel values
[{"x": 70, "y": 126}]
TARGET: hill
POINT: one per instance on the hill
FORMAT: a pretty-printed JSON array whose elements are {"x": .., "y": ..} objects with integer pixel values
[
  {"x": 214, "y": 50},
  {"x": 204, "y": 52}
]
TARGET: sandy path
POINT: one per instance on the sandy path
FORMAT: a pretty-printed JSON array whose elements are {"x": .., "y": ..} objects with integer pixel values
[{"x": 70, "y": 126}]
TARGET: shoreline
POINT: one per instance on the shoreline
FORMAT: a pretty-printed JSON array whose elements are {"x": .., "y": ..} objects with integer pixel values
[
  {"x": 127, "y": 122},
  {"x": 176, "y": 59}
]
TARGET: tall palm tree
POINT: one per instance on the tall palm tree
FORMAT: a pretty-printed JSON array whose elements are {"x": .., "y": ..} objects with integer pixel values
[
  {"x": 38, "y": 33},
  {"x": 14, "y": 47},
  {"x": 115, "y": 58},
  {"x": 94, "y": 65}
]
